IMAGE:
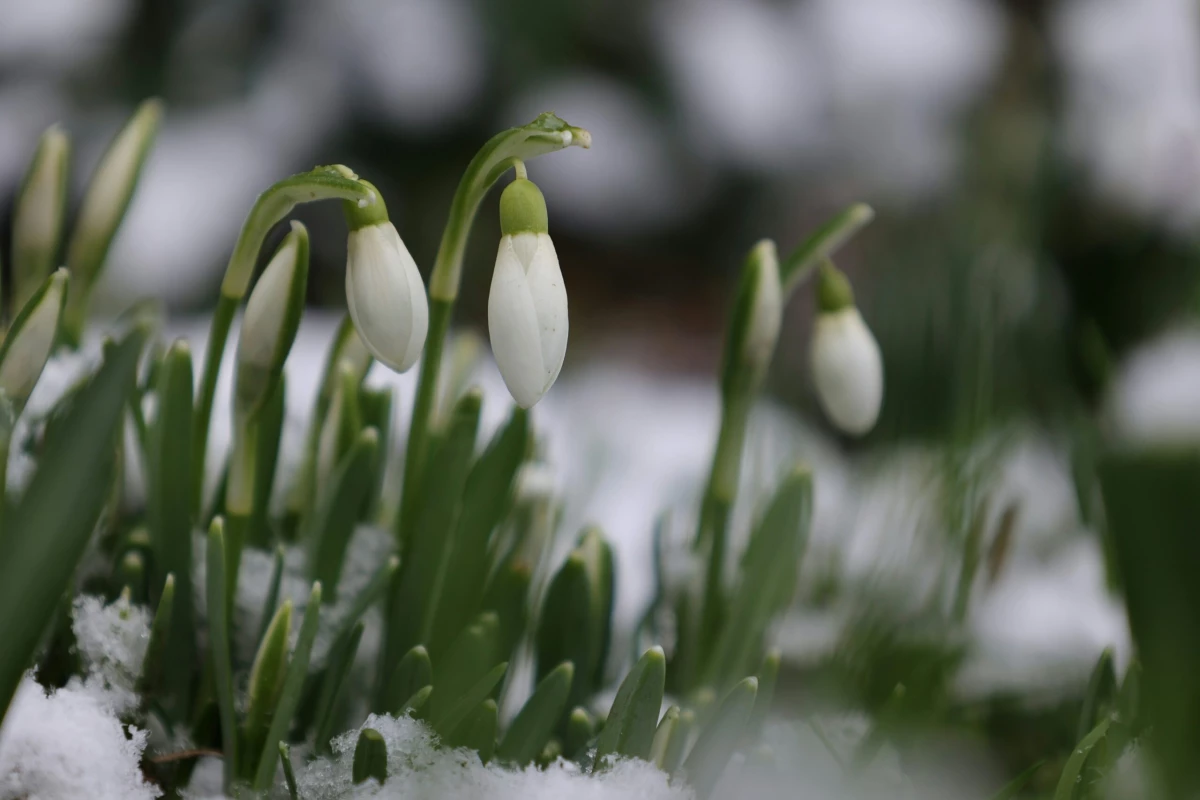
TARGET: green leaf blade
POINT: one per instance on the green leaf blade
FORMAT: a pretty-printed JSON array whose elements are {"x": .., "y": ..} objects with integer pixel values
[{"x": 631, "y": 724}]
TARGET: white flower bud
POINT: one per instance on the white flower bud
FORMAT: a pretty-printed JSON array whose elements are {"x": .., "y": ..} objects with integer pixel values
[
  {"x": 265, "y": 326},
  {"x": 271, "y": 320},
  {"x": 112, "y": 185},
  {"x": 386, "y": 295},
  {"x": 31, "y": 340},
  {"x": 527, "y": 315},
  {"x": 38, "y": 215},
  {"x": 766, "y": 310},
  {"x": 847, "y": 370},
  {"x": 527, "y": 306}
]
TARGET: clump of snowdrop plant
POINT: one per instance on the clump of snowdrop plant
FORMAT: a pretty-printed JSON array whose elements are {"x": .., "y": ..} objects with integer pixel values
[{"x": 417, "y": 649}]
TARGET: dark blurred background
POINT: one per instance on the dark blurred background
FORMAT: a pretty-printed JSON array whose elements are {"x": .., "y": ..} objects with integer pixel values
[{"x": 1033, "y": 164}]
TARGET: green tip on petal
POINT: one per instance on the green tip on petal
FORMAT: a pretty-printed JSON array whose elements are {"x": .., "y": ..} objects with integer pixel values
[
  {"x": 834, "y": 292},
  {"x": 360, "y": 216},
  {"x": 523, "y": 209}
]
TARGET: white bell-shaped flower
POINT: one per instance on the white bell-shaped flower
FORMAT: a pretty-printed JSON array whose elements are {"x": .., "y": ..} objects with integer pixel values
[
  {"x": 527, "y": 306},
  {"x": 846, "y": 363},
  {"x": 384, "y": 289}
]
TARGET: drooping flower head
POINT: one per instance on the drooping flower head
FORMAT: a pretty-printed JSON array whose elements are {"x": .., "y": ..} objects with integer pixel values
[
  {"x": 527, "y": 306},
  {"x": 846, "y": 363},
  {"x": 384, "y": 288}
]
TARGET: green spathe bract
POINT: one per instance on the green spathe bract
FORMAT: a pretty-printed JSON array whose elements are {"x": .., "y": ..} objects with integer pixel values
[
  {"x": 39, "y": 213},
  {"x": 30, "y": 340},
  {"x": 104, "y": 205}
]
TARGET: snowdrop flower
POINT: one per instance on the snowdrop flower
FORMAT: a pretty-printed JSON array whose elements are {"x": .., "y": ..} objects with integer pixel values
[
  {"x": 384, "y": 288},
  {"x": 30, "y": 341},
  {"x": 846, "y": 364},
  {"x": 527, "y": 307}
]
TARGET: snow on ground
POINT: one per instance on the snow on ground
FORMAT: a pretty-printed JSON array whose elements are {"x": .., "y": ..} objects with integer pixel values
[
  {"x": 68, "y": 744},
  {"x": 418, "y": 770}
]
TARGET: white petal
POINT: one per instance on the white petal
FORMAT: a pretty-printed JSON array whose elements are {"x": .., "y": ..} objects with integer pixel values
[
  {"x": 513, "y": 326},
  {"x": 550, "y": 300},
  {"x": 386, "y": 296},
  {"x": 847, "y": 370},
  {"x": 525, "y": 245},
  {"x": 418, "y": 309}
]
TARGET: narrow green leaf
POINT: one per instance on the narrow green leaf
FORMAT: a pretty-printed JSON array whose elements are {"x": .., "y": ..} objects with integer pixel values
[
  {"x": 341, "y": 426},
  {"x": 598, "y": 559},
  {"x": 1100, "y": 696},
  {"x": 169, "y": 514},
  {"x": 489, "y": 490},
  {"x": 478, "y": 731},
  {"x": 576, "y": 617},
  {"x": 160, "y": 629},
  {"x": 535, "y": 722},
  {"x": 368, "y": 597},
  {"x": 580, "y": 730},
  {"x": 1128, "y": 701},
  {"x": 677, "y": 747},
  {"x": 289, "y": 697},
  {"x": 412, "y": 673},
  {"x": 767, "y": 578},
  {"x": 376, "y": 407},
  {"x": 507, "y": 595},
  {"x": 1072, "y": 774},
  {"x": 1152, "y": 508},
  {"x": 415, "y": 705},
  {"x": 289, "y": 776},
  {"x": 272, "y": 598},
  {"x": 629, "y": 729},
  {"x": 266, "y": 682},
  {"x": 1018, "y": 783},
  {"x": 338, "y": 511},
  {"x": 268, "y": 431},
  {"x": 471, "y": 655},
  {"x": 411, "y": 607},
  {"x": 346, "y": 348},
  {"x": 333, "y": 685},
  {"x": 219, "y": 650},
  {"x": 456, "y": 711},
  {"x": 370, "y": 757},
  {"x": 720, "y": 738},
  {"x": 661, "y": 746}
]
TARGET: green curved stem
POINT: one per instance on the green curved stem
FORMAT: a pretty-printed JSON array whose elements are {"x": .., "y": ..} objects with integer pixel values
[
  {"x": 323, "y": 183},
  {"x": 822, "y": 244},
  {"x": 503, "y": 151}
]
